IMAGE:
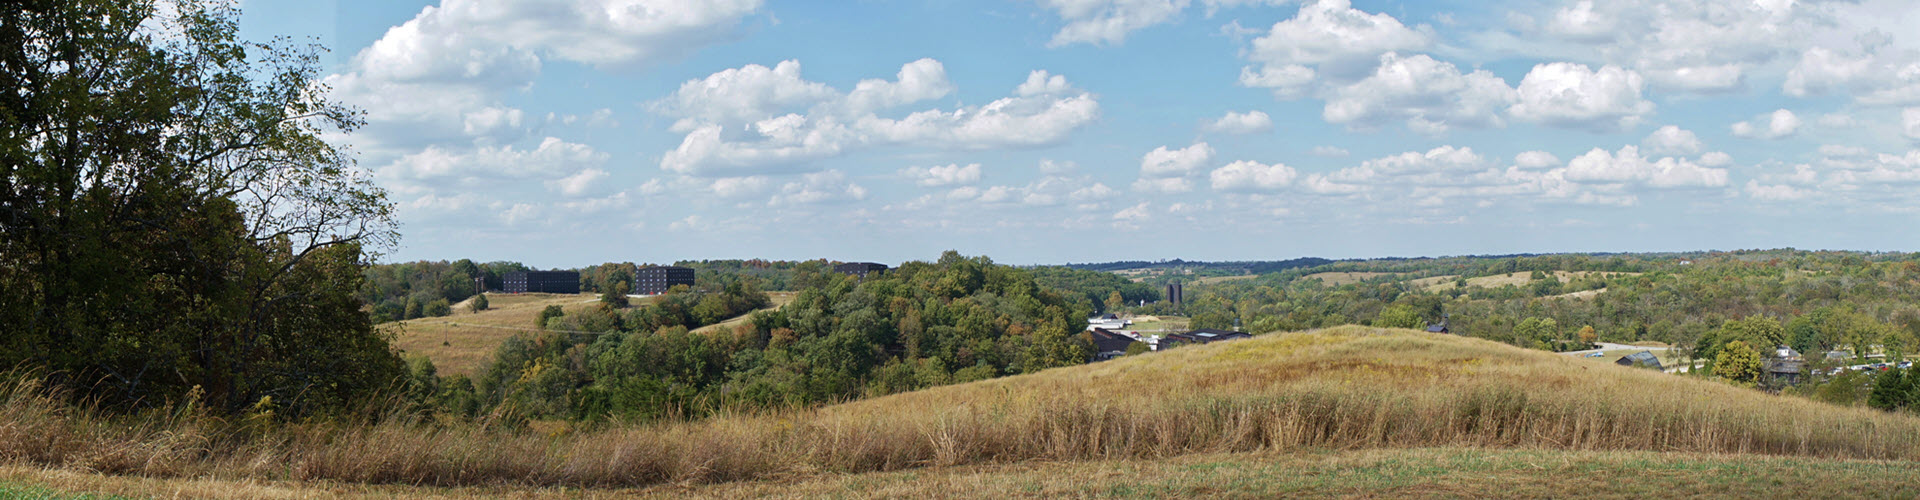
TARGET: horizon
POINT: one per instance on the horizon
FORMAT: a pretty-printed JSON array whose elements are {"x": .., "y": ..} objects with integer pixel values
[{"x": 1053, "y": 131}]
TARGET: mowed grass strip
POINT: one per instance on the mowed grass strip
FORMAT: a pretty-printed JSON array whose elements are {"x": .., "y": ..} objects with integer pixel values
[
  {"x": 1391, "y": 473},
  {"x": 1518, "y": 279}
]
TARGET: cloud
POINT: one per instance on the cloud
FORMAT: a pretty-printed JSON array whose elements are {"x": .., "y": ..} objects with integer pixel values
[
  {"x": 1251, "y": 176},
  {"x": 940, "y": 176},
  {"x": 1628, "y": 166},
  {"x": 438, "y": 77},
  {"x": 1163, "y": 185},
  {"x": 1536, "y": 159},
  {"x": 1432, "y": 96},
  {"x": 1329, "y": 152},
  {"x": 1575, "y": 96},
  {"x": 1673, "y": 140},
  {"x": 816, "y": 188},
  {"x": 1164, "y": 163},
  {"x": 741, "y": 95},
  {"x": 1107, "y": 22},
  {"x": 1778, "y": 124},
  {"x": 750, "y": 136},
  {"x": 1910, "y": 122},
  {"x": 1336, "y": 38},
  {"x": 437, "y": 167},
  {"x": 580, "y": 183},
  {"x": 1251, "y": 122}
]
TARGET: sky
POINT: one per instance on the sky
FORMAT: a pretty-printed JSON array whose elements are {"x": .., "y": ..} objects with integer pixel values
[{"x": 564, "y": 133}]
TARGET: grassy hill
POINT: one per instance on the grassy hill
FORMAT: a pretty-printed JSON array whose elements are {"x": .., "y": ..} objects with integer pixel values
[
  {"x": 1350, "y": 410},
  {"x": 461, "y": 343}
]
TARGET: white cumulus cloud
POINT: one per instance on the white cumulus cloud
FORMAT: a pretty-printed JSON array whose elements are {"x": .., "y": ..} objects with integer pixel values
[
  {"x": 1575, "y": 96},
  {"x": 1775, "y": 125},
  {"x": 1251, "y": 122},
  {"x": 1673, "y": 140}
]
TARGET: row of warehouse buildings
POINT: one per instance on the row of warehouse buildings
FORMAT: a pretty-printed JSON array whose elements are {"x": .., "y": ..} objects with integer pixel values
[{"x": 649, "y": 280}]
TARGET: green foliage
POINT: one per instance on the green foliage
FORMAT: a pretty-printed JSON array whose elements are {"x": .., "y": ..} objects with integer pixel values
[
  {"x": 1138, "y": 348},
  {"x": 1399, "y": 316},
  {"x": 1737, "y": 362},
  {"x": 478, "y": 304},
  {"x": 393, "y": 289},
  {"x": 1891, "y": 390},
  {"x": 615, "y": 295},
  {"x": 905, "y": 330},
  {"x": 174, "y": 219},
  {"x": 548, "y": 314},
  {"x": 438, "y": 308}
]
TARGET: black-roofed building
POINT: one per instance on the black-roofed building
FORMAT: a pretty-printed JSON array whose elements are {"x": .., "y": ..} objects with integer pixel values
[
  {"x": 1108, "y": 345},
  {"x": 1205, "y": 336},
  {"x": 541, "y": 282},
  {"x": 1641, "y": 359},
  {"x": 1440, "y": 327},
  {"x": 655, "y": 280},
  {"x": 860, "y": 269}
]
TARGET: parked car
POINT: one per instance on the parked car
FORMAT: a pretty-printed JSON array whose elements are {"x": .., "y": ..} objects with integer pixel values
[
  {"x": 1596, "y": 355},
  {"x": 1904, "y": 365}
]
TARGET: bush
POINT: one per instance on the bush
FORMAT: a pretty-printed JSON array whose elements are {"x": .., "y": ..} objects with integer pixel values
[
  {"x": 479, "y": 303},
  {"x": 438, "y": 308},
  {"x": 546, "y": 314}
]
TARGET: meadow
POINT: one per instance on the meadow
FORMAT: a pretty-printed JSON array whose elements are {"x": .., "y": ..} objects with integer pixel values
[{"x": 1346, "y": 390}]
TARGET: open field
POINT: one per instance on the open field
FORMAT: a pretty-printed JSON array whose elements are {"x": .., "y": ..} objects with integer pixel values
[
  {"x": 1429, "y": 282},
  {"x": 780, "y": 299},
  {"x": 1516, "y": 279},
  {"x": 1342, "y": 278},
  {"x": 1395, "y": 473},
  {"x": 1583, "y": 294},
  {"x": 1217, "y": 279},
  {"x": 461, "y": 342},
  {"x": 1369, "y": 392}
]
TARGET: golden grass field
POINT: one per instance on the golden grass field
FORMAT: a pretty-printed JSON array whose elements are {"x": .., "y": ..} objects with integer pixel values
[
  {"x": 1339, "y": 278},
  {"x": 1515, "y": 279},
  {"x": 1344, "y": 411},
  {"x": 462, "y": 342},
  {"x": 1218, "y": 279}
]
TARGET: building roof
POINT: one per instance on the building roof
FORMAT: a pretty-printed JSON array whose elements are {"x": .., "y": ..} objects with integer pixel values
[
  {"x": 1108, "y": 341},
  {"x": 1645, "y": 358}
]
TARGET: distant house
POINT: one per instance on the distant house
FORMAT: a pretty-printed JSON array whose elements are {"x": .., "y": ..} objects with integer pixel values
[
  {"x": 1108, "y": 321},
  {"x": 1642, "y": 359},
  {"x": 541, "y": 282},
  {"x": 860, "y": 269},
  {"x": 1204, "y": 336},
  {"x": 1108, "y": 345},
  {"x": 1440, "y": 327},
  {"x": 655, "y": 280},
  {"x": 1784, "y": 364}
]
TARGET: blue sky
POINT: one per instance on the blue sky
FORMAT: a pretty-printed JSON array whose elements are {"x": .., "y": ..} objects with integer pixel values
[{"x": 562, "y": 133}]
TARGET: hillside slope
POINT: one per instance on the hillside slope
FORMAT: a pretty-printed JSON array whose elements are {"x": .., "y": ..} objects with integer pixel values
[
  {"x": 1347, "y": 389},
  {"x": 461, "y": 342}
]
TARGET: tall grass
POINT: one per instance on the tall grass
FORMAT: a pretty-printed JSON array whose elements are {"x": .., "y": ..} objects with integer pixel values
[{"x": 1346, "y": 388}]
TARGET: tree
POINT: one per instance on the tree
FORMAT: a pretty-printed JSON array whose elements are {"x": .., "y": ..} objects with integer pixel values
[
  {"x": 1890, "y": 390},
  {"x": 1399, "y": 316},
  {"x": 615, "y": 296},
  {"x": 1587, "y": 335},
  {"x": 548, "y": 314},
  {"x": 174, "y": 217},
  {"x": 1737, "y": 362},
  {"x": 478, "y": 304},
  {"x": 438, "y": 307},
  {"x": 1137, "y": 348}
]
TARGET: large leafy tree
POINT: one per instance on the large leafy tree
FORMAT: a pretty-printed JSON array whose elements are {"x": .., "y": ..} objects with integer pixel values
[{"x": 172, "y": 216}]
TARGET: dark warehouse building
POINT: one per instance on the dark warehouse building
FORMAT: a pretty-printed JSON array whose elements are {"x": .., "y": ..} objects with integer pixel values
[
  {"x": 860, "y": 269},
  {"x": 655, "y": 280},
  {"x": 541, "y": 282}
]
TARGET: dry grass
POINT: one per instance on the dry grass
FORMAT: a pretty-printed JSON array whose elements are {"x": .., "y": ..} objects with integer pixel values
[
  {"x": 780, "y": 299},
  {"x": 1517, "y": 279},
  {"x": 1342, "y": 278},
  {"x": 1346, "y": 388},
  {"x": 1218, "y": 279},
  {"x": 1397, "y": 473},
  {"x": 462, "y": 342},
  {"x": 1431, "y": 281},
  {"x": 1584, "y": 294}
]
